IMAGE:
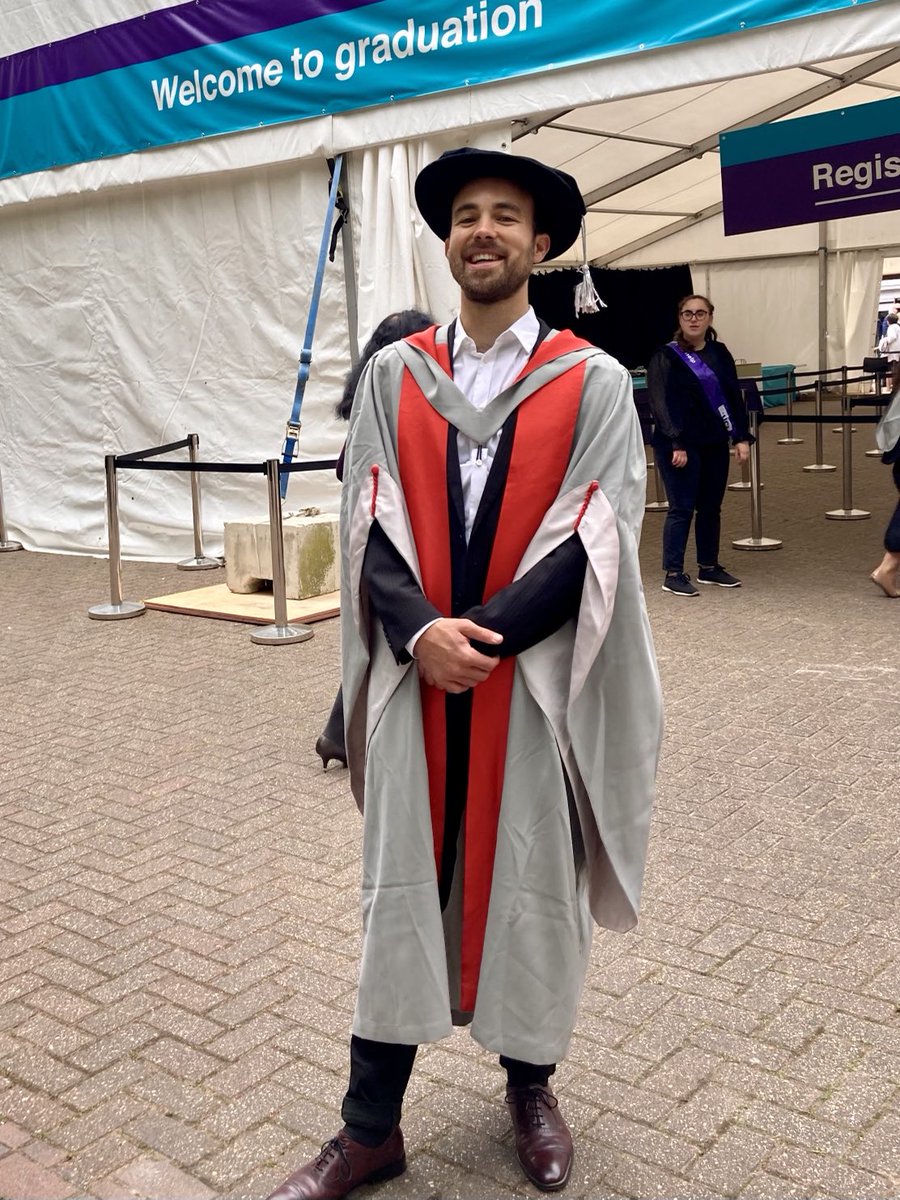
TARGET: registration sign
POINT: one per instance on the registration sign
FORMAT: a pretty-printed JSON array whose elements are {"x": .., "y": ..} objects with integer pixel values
[{"x": 835, "y": 164}]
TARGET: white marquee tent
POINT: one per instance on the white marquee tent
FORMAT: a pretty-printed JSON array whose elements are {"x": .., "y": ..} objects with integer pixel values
[{"x": 164, "y": 292}]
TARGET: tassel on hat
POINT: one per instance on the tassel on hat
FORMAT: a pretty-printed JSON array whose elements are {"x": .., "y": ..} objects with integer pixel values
[{"x": 587, "y": 299}]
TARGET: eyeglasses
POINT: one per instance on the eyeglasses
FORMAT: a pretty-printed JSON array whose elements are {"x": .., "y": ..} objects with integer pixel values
[{"x": 695, "y": 314}]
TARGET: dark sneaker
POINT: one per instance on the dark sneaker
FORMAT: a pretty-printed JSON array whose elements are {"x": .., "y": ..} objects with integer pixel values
[
  {"x": 679, "y": 585},
  {"x": 717, "y": 575}
]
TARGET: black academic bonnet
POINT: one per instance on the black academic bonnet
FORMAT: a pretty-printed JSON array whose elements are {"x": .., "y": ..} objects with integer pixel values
[{"x": 558, "y": 205}]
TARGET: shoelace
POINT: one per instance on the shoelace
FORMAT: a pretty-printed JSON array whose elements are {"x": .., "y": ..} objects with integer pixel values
[
  {"x": 532, "y": 1099},
  {"x": 329, "y": 1148}
]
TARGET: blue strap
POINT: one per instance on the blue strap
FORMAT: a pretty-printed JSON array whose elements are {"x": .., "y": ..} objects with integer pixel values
[{"x": 289, "y": 450}]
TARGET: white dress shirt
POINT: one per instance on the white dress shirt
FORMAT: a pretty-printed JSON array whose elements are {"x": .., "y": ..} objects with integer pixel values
[{"x": 481, "y": 377}]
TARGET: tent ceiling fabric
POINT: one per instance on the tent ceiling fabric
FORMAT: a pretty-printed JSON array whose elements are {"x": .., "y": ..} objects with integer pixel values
[{"x": 690, "y": 116}]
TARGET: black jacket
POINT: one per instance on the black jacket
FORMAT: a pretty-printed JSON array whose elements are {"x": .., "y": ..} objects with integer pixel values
[{"x": 681, "y": 413}]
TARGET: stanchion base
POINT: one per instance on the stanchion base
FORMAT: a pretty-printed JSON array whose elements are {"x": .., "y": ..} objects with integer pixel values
[
  {"x": 740, "y": 486},
  {"x": 116, "y": 612},
  {"x": 201, "y": 563},
  {"x": 6, "y": 547},
  {"x": 657, "y": 506},
  {"x": 820, "y": 467},
  {"x": 873, "y": 454},
  {"x": 790, "y": 441},
  {"x": 847, "y": 514},
  {"x": 761, "y": 543},
  {"x": 839, "y": 429},
  {"x": 271, "y": 635}
]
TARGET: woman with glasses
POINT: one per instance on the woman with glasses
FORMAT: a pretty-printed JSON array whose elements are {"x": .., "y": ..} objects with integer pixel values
[{"x": 698, "y": 413}]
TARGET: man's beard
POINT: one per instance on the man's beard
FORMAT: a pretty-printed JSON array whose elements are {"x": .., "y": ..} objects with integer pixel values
[{"x": 490, "y": 287}]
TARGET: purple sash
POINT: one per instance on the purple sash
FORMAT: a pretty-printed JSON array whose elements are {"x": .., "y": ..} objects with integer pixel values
[{"x": 709, "y": 381}]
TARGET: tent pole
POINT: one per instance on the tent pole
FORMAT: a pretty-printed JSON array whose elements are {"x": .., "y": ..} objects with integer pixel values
[
  {"x": 347, "y": 248},
  {"x": 823, "y": 295}
]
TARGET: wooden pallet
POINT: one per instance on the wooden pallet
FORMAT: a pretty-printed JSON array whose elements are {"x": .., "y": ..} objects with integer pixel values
[{"x": 256, "y": 608}]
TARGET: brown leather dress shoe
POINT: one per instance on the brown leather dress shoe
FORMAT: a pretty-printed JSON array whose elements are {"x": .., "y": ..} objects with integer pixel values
[
  {"x": 543, "y": 1141},
  {"x": 342, "y": 1165}
]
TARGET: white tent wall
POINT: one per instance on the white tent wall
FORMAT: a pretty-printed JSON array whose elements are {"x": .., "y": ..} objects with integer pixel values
[
  {"x": 156, "y": 293},
  {"x": 765, "y": 312},
  {"x": 401, "y": 262},
  {"x": 766, "y": 306},
  {"x": 131, "y": 317}
]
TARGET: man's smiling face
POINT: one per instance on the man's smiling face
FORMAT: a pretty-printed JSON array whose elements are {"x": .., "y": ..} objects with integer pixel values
[{"x": 492, "y": 244}]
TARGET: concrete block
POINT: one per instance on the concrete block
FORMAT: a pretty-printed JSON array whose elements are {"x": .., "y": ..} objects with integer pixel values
[{"x": 311, "y": 555}]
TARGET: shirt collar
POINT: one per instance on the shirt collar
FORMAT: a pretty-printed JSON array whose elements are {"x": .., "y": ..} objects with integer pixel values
[{"x": 525, "y": 331}]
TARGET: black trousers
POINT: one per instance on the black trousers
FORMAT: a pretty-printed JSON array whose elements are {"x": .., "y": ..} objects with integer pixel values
[
  {"x": 380, "y": 1071},
  {"x": 697, "y": 487},
  {"x": 892, "y": 533}
]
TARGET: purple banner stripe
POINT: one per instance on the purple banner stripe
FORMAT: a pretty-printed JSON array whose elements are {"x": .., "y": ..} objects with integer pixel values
[
  {"x": 155, "y": 35},
  {"x": 815, "y": 185}
]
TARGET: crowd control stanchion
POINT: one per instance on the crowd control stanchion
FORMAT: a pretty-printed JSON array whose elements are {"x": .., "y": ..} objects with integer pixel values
[
  {"x": 848, "y": 512},
  {"x": 756, "y": 541},
  {"x": 281, "y": 632},
  {"x": 789, "y": 439},
  {"x": 742, "y": 484},
  {"x": 660, "y": 504},
  {"x": 117, "y": 609},
  {"x": 200, "y": 562},
  {"x": 819, "y": 465},
  {"x": 842, "y": 427},
  {"x": 5, "y": 544}
]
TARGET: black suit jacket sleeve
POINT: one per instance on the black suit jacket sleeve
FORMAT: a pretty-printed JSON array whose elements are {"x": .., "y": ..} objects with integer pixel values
[
  {"x": 533, "y": 607},
  {"x": 524, "y": 612},
  {"x": 394, "y": 595}
]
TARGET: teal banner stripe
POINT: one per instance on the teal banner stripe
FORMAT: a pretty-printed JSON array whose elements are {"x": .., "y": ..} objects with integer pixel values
[
  {"x": 371, "y": 55},
  {"x": 857, "y": 123}
]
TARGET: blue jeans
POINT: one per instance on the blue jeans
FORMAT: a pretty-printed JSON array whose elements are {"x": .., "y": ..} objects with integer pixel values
[{"x": 697, "y": 487}]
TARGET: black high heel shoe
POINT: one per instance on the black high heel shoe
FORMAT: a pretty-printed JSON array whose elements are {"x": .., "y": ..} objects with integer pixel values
[{"x": 328, "y": 750}]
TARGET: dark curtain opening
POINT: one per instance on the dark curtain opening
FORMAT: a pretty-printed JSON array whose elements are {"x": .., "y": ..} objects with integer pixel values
[{"x": 641, "y": 312}]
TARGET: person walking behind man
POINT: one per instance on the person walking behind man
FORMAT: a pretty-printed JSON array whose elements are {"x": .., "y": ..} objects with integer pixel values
[
  {"x": 501, "y": 694},
  {"x": 889, "y": 346}
]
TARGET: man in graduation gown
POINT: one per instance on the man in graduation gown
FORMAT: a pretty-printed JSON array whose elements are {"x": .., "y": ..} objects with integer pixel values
[{"x": 501, "y": 695}]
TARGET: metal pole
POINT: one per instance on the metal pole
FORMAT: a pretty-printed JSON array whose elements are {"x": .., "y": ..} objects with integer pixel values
[
  {"x": 5, "y": 546},
  {"x": 818, "y": 465},
  {"x": 789, "y": 440},
  {"x": 349, "y": 266},
  {"x": 199, "y": 562},
  {"x": 822, "y": 254},
  {"x": 848, "y": 512},
  {"x": 742, "y": 484},
  {"x": 660, "y": 504},
  {"x": 756, "y": 541},
  {"x": 841, "y": 428},
  {"x": 117, "y": 609},
  {"x": 281, "y": 632}
]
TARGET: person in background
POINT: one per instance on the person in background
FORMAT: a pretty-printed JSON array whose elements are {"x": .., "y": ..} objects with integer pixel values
[
  {"x": 698, "y": 409},
  {"x": 330, "y": 743},
  {"x": 887, "y": 574},
  {"x": 889, "y": 346}
]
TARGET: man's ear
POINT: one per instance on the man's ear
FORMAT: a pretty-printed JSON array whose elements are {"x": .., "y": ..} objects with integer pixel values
[
  {"x": 541, "y": 246},
  {"x": 446, "y": 247}
]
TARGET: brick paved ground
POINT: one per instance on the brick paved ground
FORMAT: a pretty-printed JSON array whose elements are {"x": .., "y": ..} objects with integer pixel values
[{"x": 178, "y": 898}]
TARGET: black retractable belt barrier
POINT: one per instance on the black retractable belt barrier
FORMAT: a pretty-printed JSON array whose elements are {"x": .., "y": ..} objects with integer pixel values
[
  {"x": 282, "y": 632},
  {"x": 847, "y": 512},
  {"x": 819, "y": 464}
]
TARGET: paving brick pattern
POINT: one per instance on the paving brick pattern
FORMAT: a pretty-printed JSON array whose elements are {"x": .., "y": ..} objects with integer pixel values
[{"x": 178, "y": 897}]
